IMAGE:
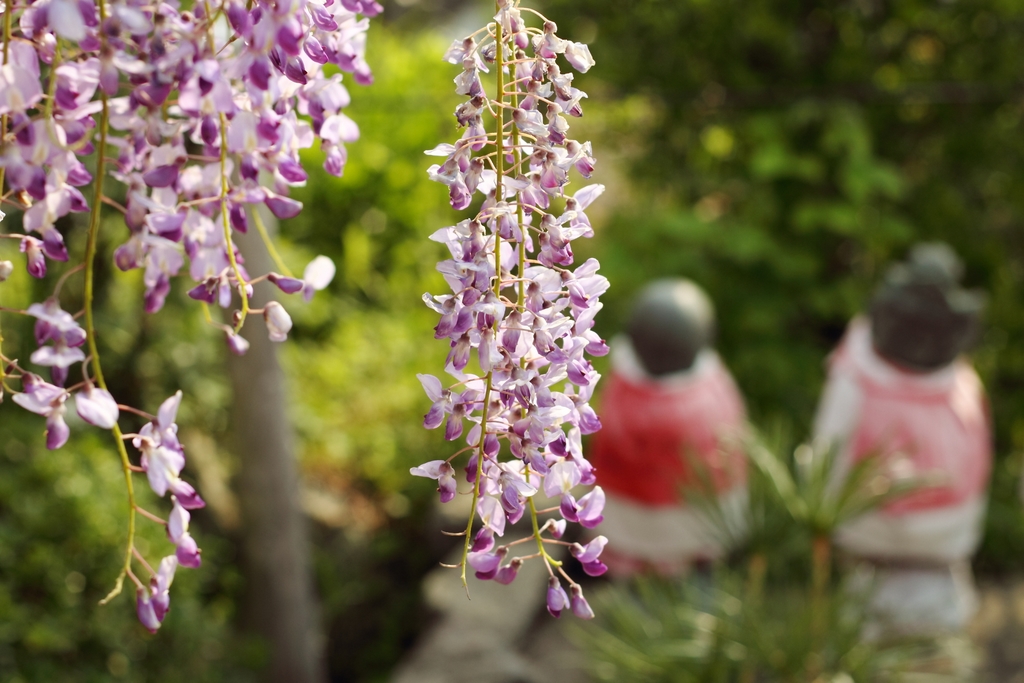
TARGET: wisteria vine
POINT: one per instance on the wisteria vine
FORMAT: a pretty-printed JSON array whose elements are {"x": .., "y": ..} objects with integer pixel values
[
  {"x": 517, "y": 303},
  {"x": 198, "y": 115}
]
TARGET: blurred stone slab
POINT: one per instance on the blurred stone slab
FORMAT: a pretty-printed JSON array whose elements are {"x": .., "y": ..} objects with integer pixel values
[
  {"x": 998, "y": 628},
  {"x": 551, "y": 650},
  {"x": 476, "y": 640}
]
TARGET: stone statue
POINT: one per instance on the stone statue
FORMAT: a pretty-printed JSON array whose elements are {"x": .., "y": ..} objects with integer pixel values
[
  {"x": 671, "y": 414},
  {"x": 899, "y": 387}
]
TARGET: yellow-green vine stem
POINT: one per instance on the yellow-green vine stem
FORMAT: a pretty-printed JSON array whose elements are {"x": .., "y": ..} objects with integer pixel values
[
  {"x": 476, "y": 485},
  {"x": 90, "y": 328},
  {"x": 550, "y": 561},
  {"x": 8, "y": 12},
  {"x": 269, "y": 243},
  {"x": 228, "y": 244},
  {"x": 499, "y": 164}
]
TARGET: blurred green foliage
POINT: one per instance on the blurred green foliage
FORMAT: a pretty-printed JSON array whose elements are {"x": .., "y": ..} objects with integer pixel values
[
  {"x": 658, "y": 631},
  {"x": 779, "y": 607},
  {"x": 64, "y": 514},
  {"x": 61, "y": 544},
  {"x": 356, "y": 352},
  {"x": 782, "y": 153}
]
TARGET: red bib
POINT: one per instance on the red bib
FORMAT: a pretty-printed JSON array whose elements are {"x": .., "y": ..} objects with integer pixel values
[
  {"x": 938, "y": 420},
  {"x": 656, "y": 432}
]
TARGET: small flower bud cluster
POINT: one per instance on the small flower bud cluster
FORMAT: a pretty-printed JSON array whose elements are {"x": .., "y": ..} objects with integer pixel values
[
  {"x": 198, "y": 111},
  {"x": 516, "y": 304}
]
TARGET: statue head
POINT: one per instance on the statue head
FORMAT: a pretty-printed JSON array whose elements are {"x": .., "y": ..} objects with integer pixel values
[
  {"x": 672, "y": 320},
  {"x": 921, "y": 318}
]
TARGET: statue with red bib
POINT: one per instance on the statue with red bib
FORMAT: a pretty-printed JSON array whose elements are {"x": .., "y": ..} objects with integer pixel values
[
  {"x": 672, "y": 417},
  {"x": 899, "y": 387}
]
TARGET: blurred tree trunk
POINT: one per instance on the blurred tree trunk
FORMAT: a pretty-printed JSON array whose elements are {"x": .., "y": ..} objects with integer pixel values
[{"x": 274, "y": 536}]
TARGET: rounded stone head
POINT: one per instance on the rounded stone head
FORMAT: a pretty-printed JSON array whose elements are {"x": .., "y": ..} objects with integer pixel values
[
  {"x": 672, "y": 320},
  {"x": 921, "y": 318}
]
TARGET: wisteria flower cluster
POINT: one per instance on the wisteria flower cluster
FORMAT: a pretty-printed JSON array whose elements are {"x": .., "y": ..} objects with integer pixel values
[
  {"x": 198, "y": 116},
  {"x": 516, "y": 304}
]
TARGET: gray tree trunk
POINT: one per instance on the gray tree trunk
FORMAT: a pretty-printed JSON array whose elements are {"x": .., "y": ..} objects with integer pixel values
[{"x": 274, "y": 535}]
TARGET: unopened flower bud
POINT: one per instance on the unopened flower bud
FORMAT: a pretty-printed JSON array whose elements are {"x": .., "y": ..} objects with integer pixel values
[
  {"x": 33, "y": 250},
  {"x": 278, "y": 321},
  {"x": 580, "y": 606},
  {"x": 557, "y": 600},
  {"x": 144, "y": 608},
  {"x": 288, "y": 285},
  {"x": 237, "y": 344},
  {"x": 6, "y": 268}
]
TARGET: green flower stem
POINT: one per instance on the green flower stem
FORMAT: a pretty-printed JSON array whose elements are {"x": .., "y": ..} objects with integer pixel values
[
  {"x": 90, "y": 329},
  {"x": 228, "y": 243},
  {"x": 518, "y": 156},
  {"x": 499, "y": 164},
  {"x": 542, "y": 551},
  {"x": 269, "y": 243},
  {"x": 499, "y": 143},
  {"x": 548, "y": 560},
  {"x": 8, "y": 12},
  {"x": 476, "y": 486}
]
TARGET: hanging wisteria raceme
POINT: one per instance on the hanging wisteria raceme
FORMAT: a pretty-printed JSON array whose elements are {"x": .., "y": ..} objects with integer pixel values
[
  {"x": 517, "y": 305},
  {"x": 192, "y": 119}
]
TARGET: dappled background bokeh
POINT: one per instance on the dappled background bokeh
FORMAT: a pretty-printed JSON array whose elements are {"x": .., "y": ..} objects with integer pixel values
[{"x": 777, "y": 152}]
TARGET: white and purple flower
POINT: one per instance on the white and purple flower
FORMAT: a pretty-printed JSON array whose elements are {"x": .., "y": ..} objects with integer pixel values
[
  {"x": 201, "y": 115},
  {"x": 516, "y": 306},
  {"x": 43, "y": 398}
]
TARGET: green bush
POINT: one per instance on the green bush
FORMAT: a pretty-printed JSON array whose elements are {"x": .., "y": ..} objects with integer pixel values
[{"x": 785, "y": 152}]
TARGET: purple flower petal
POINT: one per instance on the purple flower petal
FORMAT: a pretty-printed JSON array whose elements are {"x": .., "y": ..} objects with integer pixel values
[
  {"x": 492, "y": 515},
  {"x": 507, "y": 574},
  {"x": 568, "y": 509},
  {"x": 161, "y": 176},
  {"x": 240, "y": 19},
  {"x": 186, "y": 495},
  {"x": 283, "y": 207},
  {"x": 97, "y": 407},
  {"x": 160, "y": 586},
  {"x": 590, "y": 508},
  {"x": 177, "y": 522},
  {"x": 288, "y": 285},
  {"x": 57, "y": 431},
  {"x": 453, "y": 427},
  {"x": 580, "y": 607},
  {"x": 443, "y": 472},
  {"x": 188, "y": 552},
  {"x": 557, "y": 600},
  {"x": 168, "y": 411},
  {"x": 486, "y": 563},
  {"x": 483, "y": 541},
  {"x": 591, "y": 551},
  {"x": 237, "y": 344},
  {"x": 144, "y": 608}
]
